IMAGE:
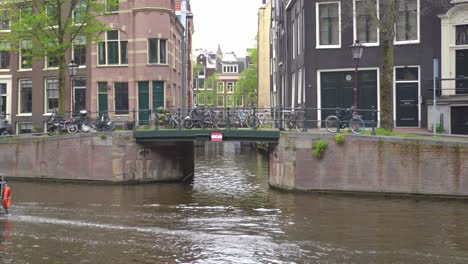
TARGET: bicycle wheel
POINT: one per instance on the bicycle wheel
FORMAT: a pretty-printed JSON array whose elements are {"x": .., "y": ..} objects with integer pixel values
[
  {"x": 357, "y": 125},
  {"x": 188, "y": 124},
  {"x": 331, "y": 123},
  {"x": 207, "y": 122},
  {"x": 253, "y": 122}
]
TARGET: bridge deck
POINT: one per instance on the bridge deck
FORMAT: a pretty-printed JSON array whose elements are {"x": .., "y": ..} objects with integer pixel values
[{"x": 205, "y": 135}]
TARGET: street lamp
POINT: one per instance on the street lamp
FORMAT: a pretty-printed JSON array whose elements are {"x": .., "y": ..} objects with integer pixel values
[
  {"x": 357, "y": 48},
  {"x": 72, "y": 69}
]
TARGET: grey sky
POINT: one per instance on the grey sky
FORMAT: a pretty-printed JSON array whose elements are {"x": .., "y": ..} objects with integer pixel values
[{"x": 231, "y": 23}]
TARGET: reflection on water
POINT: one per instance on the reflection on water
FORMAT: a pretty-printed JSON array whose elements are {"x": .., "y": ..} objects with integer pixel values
[{"x": 227, "y": 215}]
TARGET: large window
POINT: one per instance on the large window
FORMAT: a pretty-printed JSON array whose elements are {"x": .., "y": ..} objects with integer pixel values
[
  {"x": 220, "y": 87},
  {"x": 365, "y": 26},
  {"x": 407, "y": 24},
  {"x": 4, "y": 20},
  {"x": 230, "y": 69},
  {"x": 112, "y": 51},
  {"x": 462, "y": 35},
  {"x": 220, "y": 100},
  {"x": 112, "y": 5},
  {"x": 52, "y": 11},
  {"x": 3, "y": 101},
  {"x": 79, "y": 12},
  {"x": 4, "y": 56},
  {"x": 79, "y": 50},
  {"x": 157, "y": 53},
  {"x": 328, "y": 24},
  {"x": 230, "y": 87},
  {"x": 25, "y": 104},
  {"x": 121, "y": 98},
  {"x": 25, "y": 57},
  {"x": 52, "y": 95}
]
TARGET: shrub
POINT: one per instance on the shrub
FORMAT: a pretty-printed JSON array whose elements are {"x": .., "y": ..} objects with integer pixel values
[
  {"x": 340, "y": 139},
  {"x": 319, "y": 148},
  {"x": 102, "y": 136}
]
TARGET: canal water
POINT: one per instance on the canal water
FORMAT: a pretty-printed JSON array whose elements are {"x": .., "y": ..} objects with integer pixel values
[{"x": 227, "y": 215}]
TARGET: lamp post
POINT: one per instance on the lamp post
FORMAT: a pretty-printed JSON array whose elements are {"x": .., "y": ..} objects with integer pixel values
[
  {"x": 357, "y": 48},
  {"x": 72, "y": 69}
]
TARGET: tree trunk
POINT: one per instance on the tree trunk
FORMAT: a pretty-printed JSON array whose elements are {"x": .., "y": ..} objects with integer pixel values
[{"x": 386, "y": 90}]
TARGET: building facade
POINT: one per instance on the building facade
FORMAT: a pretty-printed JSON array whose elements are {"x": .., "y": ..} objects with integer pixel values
[
  {"x": 264, "y": 54},
  {"x": 312, "y": 60},
  {"x": 136, "y": 64}
]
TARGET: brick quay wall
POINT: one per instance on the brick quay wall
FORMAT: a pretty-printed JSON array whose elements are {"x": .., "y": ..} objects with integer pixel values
[
  {"x": 370, "y": 164},
  {"x": 114, "y": 157}
]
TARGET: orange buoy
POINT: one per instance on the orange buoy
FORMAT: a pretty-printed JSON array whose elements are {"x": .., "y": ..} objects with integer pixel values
[{"x": 7, "y": 197}]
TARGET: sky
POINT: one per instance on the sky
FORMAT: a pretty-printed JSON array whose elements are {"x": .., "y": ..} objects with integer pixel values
[{"x": 231, "y": 23}]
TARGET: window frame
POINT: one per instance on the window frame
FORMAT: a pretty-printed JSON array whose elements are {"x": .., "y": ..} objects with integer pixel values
[
  {"x": 4, "y": 16},
  {"x": 317, "y": 26},
  {"x": 228, "y": 90},
  {"x": 46, "y": 94},
  {"x": 20, "y": 100},
  {"x": 220, "y": 87},
  {"x": 123, "y": 112},
  {"x": 105, "y": 43},
  {"x": 77, "y": 38},
  {"x": 8, "y": 56},
  {"x": 20, "y": 56},
  {"x": 158, "y": 51},
  {"x": 418, "y": 28},
  {"x": 355, "y": 34},
  {"x": 109, "y": 5}
]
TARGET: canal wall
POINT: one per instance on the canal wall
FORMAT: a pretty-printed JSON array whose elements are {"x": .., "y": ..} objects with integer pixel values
[
  {"x": 114, "y": 157},
  {"x": 370, "y": 164}
]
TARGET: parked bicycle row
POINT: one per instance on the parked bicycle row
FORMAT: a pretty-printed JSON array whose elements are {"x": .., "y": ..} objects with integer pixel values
[{"x": 57, "y": 124}]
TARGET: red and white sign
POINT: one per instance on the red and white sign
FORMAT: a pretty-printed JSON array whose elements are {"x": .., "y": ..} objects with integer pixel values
[{"x": 216, "y": 137}]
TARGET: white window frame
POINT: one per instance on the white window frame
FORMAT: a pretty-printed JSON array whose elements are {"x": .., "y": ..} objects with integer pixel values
[
  {"x": 418, "y": 30},
  {"x": 9, "y": 24},
  {"x": 86, "y": 46},
  {"x": 159, "y": 51},
  {"x": 119, "y": 46},
  {"x": 230, "y": 68},
  {"x": 20, "y": 57},
  {"x": 46, "y": 98},
  {"x": 73, "y": 15},
  {"x": 294, "y": 40},
  {"x": 419, "y": 92},
  {"x": 111, "y": 11},
  {"x": 355, "y": 37},
  {"x": 230, "y": 87},
  {"x": 6, "y": 45},
  {"x": 19, "y": 98},
  {"x": 217, "y": 100},
  {"x": 317, "y": 26},
  {"x": 23, "y": 123},
  {"x": 220, "y": 87},
  {"x": 293, "y": 90}
]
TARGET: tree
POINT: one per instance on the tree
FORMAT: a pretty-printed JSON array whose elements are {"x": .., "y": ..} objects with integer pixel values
[
  {"x": 248, "y": 81},
  {"x": 48, "y": 28},
  {"x": 208, "y": 95},
  {"x": 386, "y": 21}
]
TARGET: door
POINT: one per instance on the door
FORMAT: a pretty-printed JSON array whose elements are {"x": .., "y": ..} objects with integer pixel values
[
  {"x": 158, "y": 94},
  {"x": 3, "y": 101},
  {"x": 80, "y": 99},
  {"x": 462, "y": 71},
  {"x": 407, "y": 107},
  {"x": 143, "y": 103},
  {"x": 459, "y": 120},
  {"x": 102, "y": 97}
]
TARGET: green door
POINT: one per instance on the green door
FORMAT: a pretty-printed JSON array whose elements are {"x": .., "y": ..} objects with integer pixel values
[
  {"x": 158, "y": 94},
  {"x": 102, "y": 97},
  {"x": 143, "y": 102}
]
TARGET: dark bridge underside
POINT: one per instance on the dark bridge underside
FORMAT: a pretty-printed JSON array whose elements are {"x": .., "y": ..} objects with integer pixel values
[{"x": 205, "y": 135}]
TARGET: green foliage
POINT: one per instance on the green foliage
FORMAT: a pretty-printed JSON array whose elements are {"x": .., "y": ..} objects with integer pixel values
[
  {"x": 339, "y": 139},
  {"x": 102, "y": 136},
  {"x": 248, "y": 81},
  {"x": 319, "y": 148},
  {"x": 208, "y": 95},
  {"x": 440, "y": 128},
  {"x": 43, "y": 28}
]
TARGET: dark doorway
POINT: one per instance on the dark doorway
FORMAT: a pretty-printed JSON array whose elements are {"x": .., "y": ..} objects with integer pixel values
[
  {"x": 337, "y": 91},
  {"x": 407, "y": 110},
  {"x": 143, "y": 103},
  {"x": 80, "y": 99},
  {"x": 459, "y": 120},
  {"x": 462, "y": 71}
]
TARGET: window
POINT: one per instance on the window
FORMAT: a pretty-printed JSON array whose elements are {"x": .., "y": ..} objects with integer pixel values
[
  {"x": 220, "y": 101},
  {"x": 239, "y": 101},
  {"x": 52, "y": 95},
  {"x": 3, "y": 99},
  {"x": 25, "y": 104},
  {"x": 328, "y": 24},
  {"x": 79, "y": 50},
  {"x": 79, "y": 12},
  {"x": 25, "y": 57},
  {"x": 229, "y": 68},
  {"x": 174, "y": 51},
  {"x": 230, "y": 100},
  {"x": 25, "y": 11},
  {"x": 4, "y": 20},
  {"x": 365, "y": 26},
  {"x": 230, "y": 87},
  {"x": 4, "y": 56},
  {"x": 294, "y": 39},
  {"x": 25, "y": 128},
  {"x": 52, "y": 62},
  {"x": 52, "y": 14},
  {"x": 112, "y": 5},
  {"x": 201, "y": 83},
  {"x": 157, "y": 51},
  {"x": 220, "y": 87},
  {"x": 462, "y": 35},
  {"x": 299, "y": 33},
  {"x": 121, "y": 98},
  {"x": 407, "y": 28},
  {"x": 112, "y": 51}
]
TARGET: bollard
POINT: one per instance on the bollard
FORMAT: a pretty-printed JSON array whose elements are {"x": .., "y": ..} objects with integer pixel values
[
  {"x": 156, "y": 121},
  {"x": 179, "y": 126},
  {"x": 373, "y": 121},
  {"x": 134, "y": 120},
  {"x": 149, "y": 118},
  {"x": 255, "y": 114},
  {"x": 337, "y": 114}
]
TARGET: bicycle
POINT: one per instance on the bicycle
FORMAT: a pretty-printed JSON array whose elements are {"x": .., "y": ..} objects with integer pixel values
[
  {"x": 294, "y": 120},
  {"x": 343, "y": 120},
  {"x": 265, "y": 119}
]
